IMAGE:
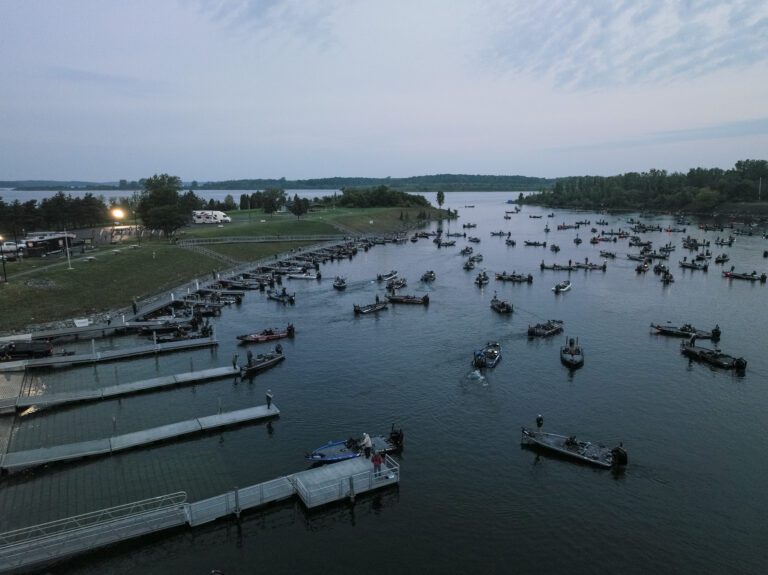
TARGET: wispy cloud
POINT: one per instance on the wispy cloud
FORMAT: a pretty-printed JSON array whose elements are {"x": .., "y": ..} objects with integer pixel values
[
  {"x": 309, "y": 20},
  {"x": 739, "y": 129},
  {"x": 115, "y": 83},
  {"x": 587, "y": 45}
]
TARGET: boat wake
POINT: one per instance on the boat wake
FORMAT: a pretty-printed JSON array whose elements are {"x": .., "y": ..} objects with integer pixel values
[{"x": 477, "y": 376}]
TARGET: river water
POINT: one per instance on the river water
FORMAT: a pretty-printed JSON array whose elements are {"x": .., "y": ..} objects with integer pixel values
[{"x": 471, "y": 499}]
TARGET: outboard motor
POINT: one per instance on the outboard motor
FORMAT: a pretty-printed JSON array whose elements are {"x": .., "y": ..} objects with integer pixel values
[
  {"x": 539, "y": 421},
  {"x": 619, "y": 455},
  {"x": 716, "y": 333},
  {"x": 279, "y": 348}
]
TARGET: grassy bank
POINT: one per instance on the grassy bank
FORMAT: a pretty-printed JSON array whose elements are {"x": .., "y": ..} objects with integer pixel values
[{"x": 44, "y": 290}]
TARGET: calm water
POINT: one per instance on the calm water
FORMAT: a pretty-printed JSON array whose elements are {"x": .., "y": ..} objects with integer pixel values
[{"x": 471, "y": 500}]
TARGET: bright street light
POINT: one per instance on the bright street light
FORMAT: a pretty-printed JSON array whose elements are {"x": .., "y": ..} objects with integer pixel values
[{"x": 118, "y": 213}]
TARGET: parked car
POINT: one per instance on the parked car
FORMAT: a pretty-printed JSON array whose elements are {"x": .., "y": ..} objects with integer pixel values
[{"x": 12, "y": 247}]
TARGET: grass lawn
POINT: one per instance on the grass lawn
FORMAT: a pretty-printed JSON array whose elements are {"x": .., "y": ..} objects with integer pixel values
[{"x": 44, "y": 290}]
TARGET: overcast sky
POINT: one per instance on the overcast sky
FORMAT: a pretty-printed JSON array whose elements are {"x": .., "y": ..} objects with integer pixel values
[{"x": 224, "y": 89}]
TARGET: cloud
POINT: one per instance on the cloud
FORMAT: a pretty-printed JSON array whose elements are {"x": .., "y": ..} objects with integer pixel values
[
  {"x": 738, "y": 129},
  {"x": 590, "y": 45},
  {"x": 124, "y": 85}
]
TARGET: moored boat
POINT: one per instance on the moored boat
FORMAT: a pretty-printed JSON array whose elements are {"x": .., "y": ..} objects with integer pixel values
[
  {"x": 305, "y": 276},
  {"x": 570, "y": 447},
  {"x": 410, "y": 299},
  {"x": 370, "y": 308},
  {"x": 262, "y": 361},
  {"x": 282, "y": 296},
  {"x": 339, "y": 450},
  {"x": 686, "y": 330},
  {"x": 267, "y": 335},
  {"x": 340, "y": 283},
  {"x": 514, "y": 277},
  {"x": 572, "y": 354},
  {"x": 711, "y": 356},
  {"x": 387, "y": 276},
  {"x": 489, "y": 356},
  {"x": 752, "y": 277},
  {"x": 546, "y": 329},
  {"x": 501, "y": 306}
]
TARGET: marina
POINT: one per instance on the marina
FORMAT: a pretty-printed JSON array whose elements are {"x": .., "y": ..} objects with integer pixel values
[{"x": 411, "y": 365}]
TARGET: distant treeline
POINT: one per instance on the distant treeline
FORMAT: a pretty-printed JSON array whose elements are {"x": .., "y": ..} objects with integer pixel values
[
  {"x": 445, "y": 182},
  {"x": 55, "y": 213},
  {"x": 698, "y": 190}
]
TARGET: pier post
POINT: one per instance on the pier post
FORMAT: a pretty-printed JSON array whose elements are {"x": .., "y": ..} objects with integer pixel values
[
  {"x": 352, "y": 489},
  {"x": 237, "y": 502}
]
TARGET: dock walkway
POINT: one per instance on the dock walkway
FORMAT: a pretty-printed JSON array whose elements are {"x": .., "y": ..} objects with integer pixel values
[
  {"x": 17, "y": 460},
  {"x": 107, "y": 355},
  {"x": 156, "y": 383},
  {"x": 41, "y": 544}
]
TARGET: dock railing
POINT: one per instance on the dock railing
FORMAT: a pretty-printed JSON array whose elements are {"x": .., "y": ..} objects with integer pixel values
[
  {"x": 102, "y": 516},
  {"x": 233, "y": 502},
  {"x": 62, "y": 538}
]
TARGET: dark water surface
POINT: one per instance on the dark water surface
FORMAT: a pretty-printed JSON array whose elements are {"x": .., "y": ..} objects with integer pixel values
[{"x": 692, "y": 499}]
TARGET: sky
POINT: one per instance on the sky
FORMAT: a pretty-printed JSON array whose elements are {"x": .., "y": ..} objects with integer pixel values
[{"x": 102, "y": 90}]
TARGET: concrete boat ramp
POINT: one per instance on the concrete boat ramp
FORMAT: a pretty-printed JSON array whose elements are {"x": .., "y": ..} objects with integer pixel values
[
  {"x": 17, "y": 460},
  {"x": 42, "y": 544}
]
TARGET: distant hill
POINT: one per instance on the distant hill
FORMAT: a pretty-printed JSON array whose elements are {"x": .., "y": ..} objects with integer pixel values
[{"x": 445, "y": 182}]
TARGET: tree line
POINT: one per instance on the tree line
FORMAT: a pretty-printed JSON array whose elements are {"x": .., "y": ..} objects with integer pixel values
[{"x": 698, "y": 190}]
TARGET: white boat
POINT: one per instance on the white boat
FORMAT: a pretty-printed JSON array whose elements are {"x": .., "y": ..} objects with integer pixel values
[
  {"x": 562, "y": 286},
  {"x": 304, "y": 276}
]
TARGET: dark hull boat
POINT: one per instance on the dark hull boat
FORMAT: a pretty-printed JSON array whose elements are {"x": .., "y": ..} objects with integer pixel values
[
  {"x": 501, "y": 306},
  {"x": 753, "y": 277},
  {"x": 515, "y": 278},
  {"x": 570, "y": 447},
  {"x": 267, "y": 335},
  {"x": 283, "y": 297},
  {"x": 340, "y": 283},
  {"x": 549, "y": 328},
  {"x": 370, "y": 308},
  {"x": 410, "y": 299},
  {"x": 489, "y": 356},
  {"x": 428, "y": 276},
  {"x": 261, "y": 362},
  {"x": 712, "y": 356},
  {"x": 572, "y": 355},
  {"x": 14, "y": 350},
  {"x": 339, "y": 450},
  {"x": 686, "y": 330}
]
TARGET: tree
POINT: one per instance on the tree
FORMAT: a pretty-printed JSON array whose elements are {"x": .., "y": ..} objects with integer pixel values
[
  {"x": 161, "y": 207},
  {"x": 440, "y": 199},
  {"x": 299, "y": 206}
]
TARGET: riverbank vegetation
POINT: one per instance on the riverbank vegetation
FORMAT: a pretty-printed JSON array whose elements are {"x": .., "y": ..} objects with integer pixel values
[{"x": 700, "y": 190}]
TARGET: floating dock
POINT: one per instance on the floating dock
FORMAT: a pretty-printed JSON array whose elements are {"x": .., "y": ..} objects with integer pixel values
[
  {"x": 42, "y": 544},
  {"x": 17, "y": 460},
  {"x": 107, "y": 355},
  {"x": 157, "y": 383}
]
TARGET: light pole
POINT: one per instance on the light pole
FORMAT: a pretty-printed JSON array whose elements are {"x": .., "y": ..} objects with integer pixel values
[
  {"x": 2, "y": 257},
  {"x": 118, "y": 214}
]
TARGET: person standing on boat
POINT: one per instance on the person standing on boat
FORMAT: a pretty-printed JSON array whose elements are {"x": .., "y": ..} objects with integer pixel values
[
  {"x": 365, "y": 443},
  {"x": 376, "y": 460},
  {"x": 269, "y": 398}
]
